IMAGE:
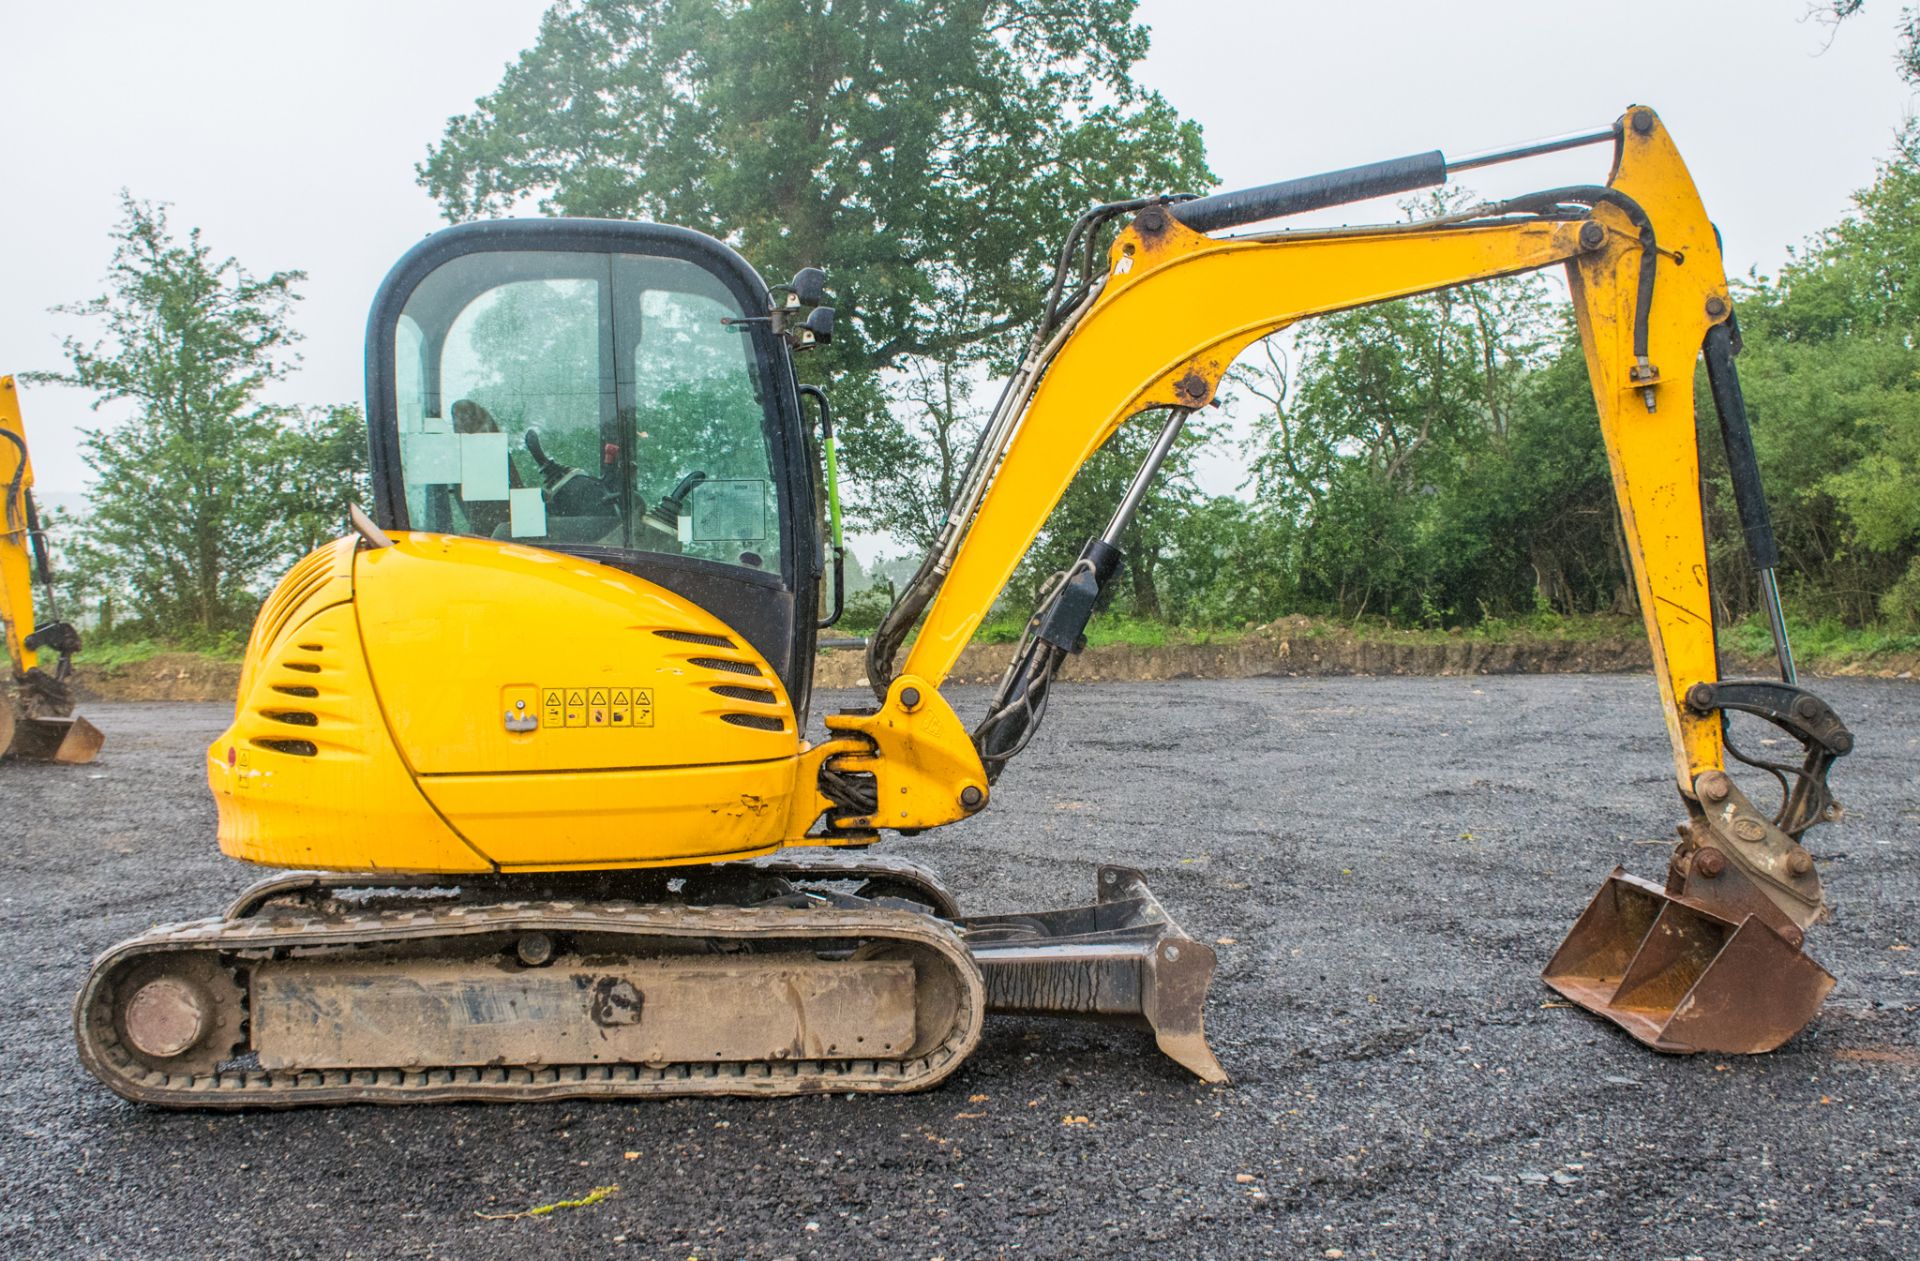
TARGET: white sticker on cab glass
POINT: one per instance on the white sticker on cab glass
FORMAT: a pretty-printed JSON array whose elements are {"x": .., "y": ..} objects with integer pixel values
[
  {"x": 528, "y": 511},
  {"x": 430, "y": 459},
  {"x": 483, "y": 466}
]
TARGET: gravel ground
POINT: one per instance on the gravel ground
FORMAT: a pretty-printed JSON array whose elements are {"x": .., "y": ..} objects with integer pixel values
[{"x": 1387, "y": 864}]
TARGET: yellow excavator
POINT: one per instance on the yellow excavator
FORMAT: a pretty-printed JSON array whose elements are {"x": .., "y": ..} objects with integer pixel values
[
  {"x": 37, "y": 723},
  {"x": 534, "y": 732}
]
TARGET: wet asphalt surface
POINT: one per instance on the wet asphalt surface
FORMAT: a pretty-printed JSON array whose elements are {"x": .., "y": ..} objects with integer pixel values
[{"x": 1386, "y": 864}]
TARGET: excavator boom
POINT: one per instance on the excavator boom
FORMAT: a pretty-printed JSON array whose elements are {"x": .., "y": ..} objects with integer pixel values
[
  {"x": 36, "y": 709},
  {"x": 1650, "y": 294}
]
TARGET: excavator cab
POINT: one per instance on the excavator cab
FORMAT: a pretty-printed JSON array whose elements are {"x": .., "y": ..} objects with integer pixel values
[{"x": 621, "y": 392}]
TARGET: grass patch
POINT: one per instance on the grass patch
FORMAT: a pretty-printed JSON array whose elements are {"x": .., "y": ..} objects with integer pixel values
[
  {"x": 1536, "y": 628},
  {"x": 1827, "y": 642},
  {"x": 1113, "y": 628},
  {"x": 1821, "y": 645},
  {"x": 128, "y": 652},
  {"x": 113, "y": 653}
]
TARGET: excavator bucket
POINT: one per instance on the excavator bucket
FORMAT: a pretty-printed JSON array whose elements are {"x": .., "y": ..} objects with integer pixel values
[
  {"x": 1683, "y": 978},
  {"x": 70, "y": 741}
]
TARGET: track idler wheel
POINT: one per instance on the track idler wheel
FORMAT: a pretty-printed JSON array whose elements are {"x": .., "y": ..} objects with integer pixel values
[{"x": 182, "y": 1014}]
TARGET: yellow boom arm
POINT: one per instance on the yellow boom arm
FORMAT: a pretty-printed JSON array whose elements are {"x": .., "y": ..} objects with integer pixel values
[
  {"x": 1178, "y": 306},
  {"x": 1710, "y": 961}
]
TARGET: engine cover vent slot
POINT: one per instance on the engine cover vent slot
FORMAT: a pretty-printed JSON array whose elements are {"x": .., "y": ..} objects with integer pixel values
[
  {"x": 292, "y": 717},
  {"x": 304, "y": 667},
  {"x": 308, "y": 576},
  {"x": 761, "y": 722},
  {"x": 300, "y": 690},
  {"x": 721, "y": 663},
  {"x": 298, "y": 748},
  {"x": 756, "y": 694},
  {"x": 695, "y": 637}
]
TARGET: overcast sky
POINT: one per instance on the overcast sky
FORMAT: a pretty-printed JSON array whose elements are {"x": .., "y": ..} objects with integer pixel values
[{"x": 288, "y": 133}]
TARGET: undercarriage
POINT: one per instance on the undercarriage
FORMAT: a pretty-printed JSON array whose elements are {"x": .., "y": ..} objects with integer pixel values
[{"x": 811, "y": 972}]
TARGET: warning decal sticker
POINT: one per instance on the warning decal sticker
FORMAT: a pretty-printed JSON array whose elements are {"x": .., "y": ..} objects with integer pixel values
[{"x": 596, "y": 706}]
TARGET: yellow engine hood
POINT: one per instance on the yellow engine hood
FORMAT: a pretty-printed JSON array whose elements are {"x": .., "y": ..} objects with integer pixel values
[
  {"x": 496, "y": 658},
  {"x": 453, "y": 704}
]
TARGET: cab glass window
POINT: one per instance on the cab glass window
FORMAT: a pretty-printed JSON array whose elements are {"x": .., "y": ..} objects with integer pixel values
[{"x": 586, "y": 401}]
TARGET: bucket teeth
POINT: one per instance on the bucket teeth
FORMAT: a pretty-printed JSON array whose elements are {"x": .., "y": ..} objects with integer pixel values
[{"x": 1682, "y": 977}]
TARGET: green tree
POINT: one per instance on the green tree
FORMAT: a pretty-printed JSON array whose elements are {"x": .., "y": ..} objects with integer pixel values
[
  {"x": 1368, "y": 445},
  {"x": 1907, "y": 58},
  {"x": 1831, "y": 369},
  {"x": 205, "y": 490},
  {"x": 930, "y": 153},
  {"x": 320, "y": 460},
  {"x": 1529, "y": 523},
  {"x": 1232, "y": 564}
]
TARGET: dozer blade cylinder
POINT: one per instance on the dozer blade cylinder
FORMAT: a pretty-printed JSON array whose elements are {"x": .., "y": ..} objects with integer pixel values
[
  {"x": 1681, "y": 977},
  {"x": 70, "y": 741}
]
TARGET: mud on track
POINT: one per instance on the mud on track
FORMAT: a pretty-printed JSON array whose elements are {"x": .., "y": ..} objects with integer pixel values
[{"x": 1391, "y": 861}]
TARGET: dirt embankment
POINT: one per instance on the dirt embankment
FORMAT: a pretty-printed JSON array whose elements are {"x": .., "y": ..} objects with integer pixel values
[
  {"x": 170, "y": 676},
  {"x": 1258, "y": 656},
  {"x": 1299, "y": 646}
]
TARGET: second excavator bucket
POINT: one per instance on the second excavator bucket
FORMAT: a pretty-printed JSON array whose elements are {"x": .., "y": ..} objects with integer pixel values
[
  {"x": 1681, "y": 977},
  {"x": 70, "y": 741}
]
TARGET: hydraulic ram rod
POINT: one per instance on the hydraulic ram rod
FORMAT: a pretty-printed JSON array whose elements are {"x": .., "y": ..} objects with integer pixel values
[
  {"x": 1356, "y": 183},
  {"x": 1312, "y": 192}
]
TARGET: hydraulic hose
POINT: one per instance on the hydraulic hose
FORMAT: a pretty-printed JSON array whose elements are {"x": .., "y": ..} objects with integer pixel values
[{"x": 1750, "y": 500}]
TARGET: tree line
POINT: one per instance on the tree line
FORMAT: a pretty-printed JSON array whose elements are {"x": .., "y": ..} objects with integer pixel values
[
  {"x": 204, "y": 491},
  {"x": 1433, "y": 461}
]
